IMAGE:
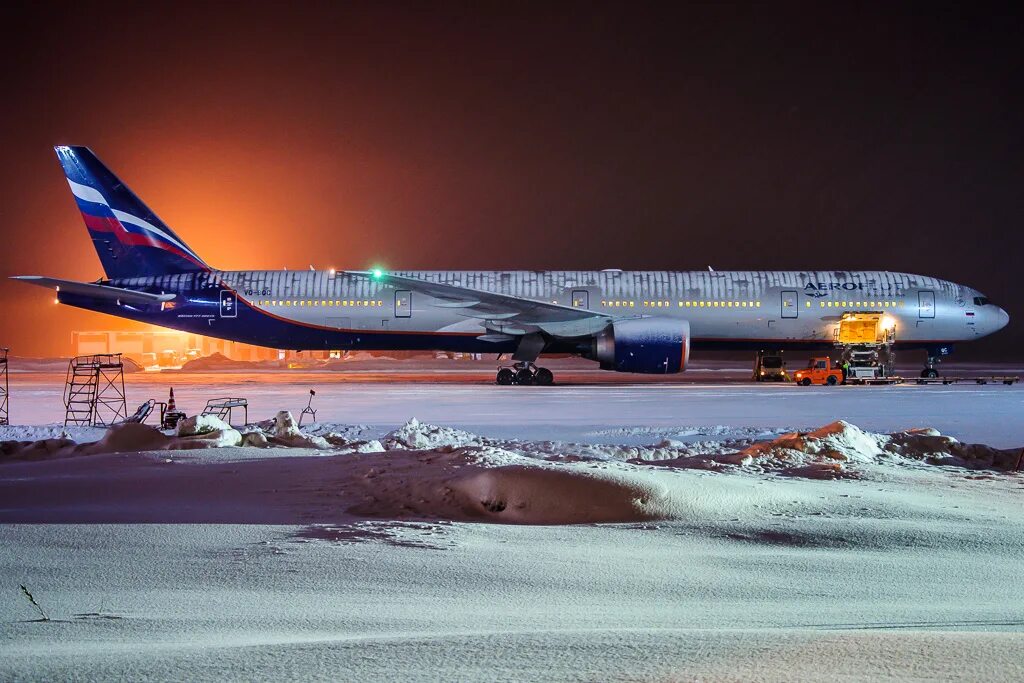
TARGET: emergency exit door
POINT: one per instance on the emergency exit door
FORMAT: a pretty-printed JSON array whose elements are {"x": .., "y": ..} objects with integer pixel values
[
  {"x": 580, "y": 298},
  {"x": 926, "y": 304},
  {"x": 789, "y": 307},
  {"x": 403, "y": 304}
]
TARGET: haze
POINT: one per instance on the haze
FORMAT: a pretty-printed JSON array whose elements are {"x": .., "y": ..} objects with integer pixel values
[{"x": 583, "y": 136}]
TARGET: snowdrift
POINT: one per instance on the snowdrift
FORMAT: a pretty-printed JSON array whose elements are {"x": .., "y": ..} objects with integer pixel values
[
  {"x": 434, "y": 472},
  {"x": 217, "y": 361},
  {"x": 837, "y": 447},
  {"x": 488, "y": 484}
]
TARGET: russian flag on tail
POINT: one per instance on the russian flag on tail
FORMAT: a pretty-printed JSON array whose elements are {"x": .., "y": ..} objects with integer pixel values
[{"x": 130, "y": 239}]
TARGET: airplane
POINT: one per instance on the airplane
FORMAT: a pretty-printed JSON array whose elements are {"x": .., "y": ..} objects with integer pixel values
[{"x": 627, "y": 321}]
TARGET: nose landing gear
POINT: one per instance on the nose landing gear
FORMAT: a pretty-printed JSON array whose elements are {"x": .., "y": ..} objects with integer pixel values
[
  {"x": 930, "y": 371},
  {"x": 525, "y": 374}
]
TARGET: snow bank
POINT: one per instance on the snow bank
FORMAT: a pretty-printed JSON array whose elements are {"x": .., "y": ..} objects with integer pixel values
[
  {"x": 286, "y": 432},
  {"x": 420, "y": 436},
  {"x": 546, "y": 495},
  {"x": 490, "y": 484},
  {"x": 41, "y": 449},
  {"x": 836, "y": 450},
  {"x": 129, "y": 438},
  {"x": 216, "y": 361},
  {"x": 840, "y": 447}
]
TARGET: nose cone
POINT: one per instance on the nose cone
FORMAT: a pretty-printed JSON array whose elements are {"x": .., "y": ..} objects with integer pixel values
[{"x": 1002, "y": 319}]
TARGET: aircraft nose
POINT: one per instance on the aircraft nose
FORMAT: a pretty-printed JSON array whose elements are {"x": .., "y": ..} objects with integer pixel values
[{"x": 1002, "y": 319}]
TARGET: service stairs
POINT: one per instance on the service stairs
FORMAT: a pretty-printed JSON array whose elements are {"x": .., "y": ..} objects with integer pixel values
[{"x": 94, "y": 390}]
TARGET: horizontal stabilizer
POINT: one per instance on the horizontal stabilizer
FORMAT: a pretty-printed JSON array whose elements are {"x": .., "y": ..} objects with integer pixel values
[{"x": 94, "y": 290}]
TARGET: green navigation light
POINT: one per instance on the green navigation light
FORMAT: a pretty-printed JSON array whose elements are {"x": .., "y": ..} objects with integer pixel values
[{"x": 377, "y": 273}]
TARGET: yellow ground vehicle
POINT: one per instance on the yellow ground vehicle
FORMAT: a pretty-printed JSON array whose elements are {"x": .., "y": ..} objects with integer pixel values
[
  {"x": 819, "y": 371},
  {"x": 866, "y": 340}
]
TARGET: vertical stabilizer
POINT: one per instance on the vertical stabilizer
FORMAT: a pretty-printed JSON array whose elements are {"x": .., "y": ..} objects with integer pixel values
[{"x": 130, "y": 239}]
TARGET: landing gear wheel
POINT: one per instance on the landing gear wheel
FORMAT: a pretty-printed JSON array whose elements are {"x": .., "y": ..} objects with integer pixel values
[
  {"x": 506, "y": 377},
  {"x": 524, "y": 377},
  {"x": 805, "y": 382},
  {"x": 930, "y": 373},
  {"x": 543, "y": 377}
]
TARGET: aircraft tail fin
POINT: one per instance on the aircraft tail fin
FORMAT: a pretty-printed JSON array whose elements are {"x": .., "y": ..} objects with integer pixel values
[{"x": 130, "y": 239}]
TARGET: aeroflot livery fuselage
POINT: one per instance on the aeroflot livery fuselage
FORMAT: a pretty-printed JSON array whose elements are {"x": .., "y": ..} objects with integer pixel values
[{"x": 629, "y": 321}]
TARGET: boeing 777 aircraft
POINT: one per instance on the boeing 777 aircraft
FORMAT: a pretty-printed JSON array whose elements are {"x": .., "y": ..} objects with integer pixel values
[{"x": 628, "y": 321}]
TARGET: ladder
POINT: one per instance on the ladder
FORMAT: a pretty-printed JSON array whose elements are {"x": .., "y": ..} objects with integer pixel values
[
  {"x": 5, "y": 389},
  {"x": 94, "y": 390}
]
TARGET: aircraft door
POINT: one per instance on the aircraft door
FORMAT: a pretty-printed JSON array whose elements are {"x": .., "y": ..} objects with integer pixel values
[
  {"x": 403, "y": 303},
  {"x": 228, "y": 304},
  {"x": 926, "y": 304},
  {"x": 580, "y": 298},
  {"x": 789, "y": 304}
]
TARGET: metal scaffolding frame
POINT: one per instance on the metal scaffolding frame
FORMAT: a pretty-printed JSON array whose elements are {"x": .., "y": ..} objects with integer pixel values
[
  {"x": 94, "y": 391},
  {"x": 5, "y": 389}
]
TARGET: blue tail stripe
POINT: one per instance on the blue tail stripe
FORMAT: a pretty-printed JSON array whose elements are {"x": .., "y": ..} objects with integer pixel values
[{"x": 130, "y": 239}]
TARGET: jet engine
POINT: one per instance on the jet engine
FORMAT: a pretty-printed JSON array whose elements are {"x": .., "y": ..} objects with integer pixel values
[{"x": 644, "y": 345}]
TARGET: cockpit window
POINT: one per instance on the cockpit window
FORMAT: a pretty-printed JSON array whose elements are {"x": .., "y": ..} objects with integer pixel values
[{"x": 981, "y": 301}]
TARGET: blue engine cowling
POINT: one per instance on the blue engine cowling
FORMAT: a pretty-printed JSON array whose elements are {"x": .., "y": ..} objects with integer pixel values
[{"x": 644, "y": 345}]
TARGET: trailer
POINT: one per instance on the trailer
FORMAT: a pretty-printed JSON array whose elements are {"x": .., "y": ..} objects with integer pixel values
[
  {"x": 987, "y": 379},
  {"x": 896, "y": 379},
  {"x": 876, "y": 381}
]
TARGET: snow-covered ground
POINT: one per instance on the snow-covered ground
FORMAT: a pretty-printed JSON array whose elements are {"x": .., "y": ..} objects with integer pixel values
[
  {"x": 608, "y": 532},
  {"x": 610, "y": 412}
]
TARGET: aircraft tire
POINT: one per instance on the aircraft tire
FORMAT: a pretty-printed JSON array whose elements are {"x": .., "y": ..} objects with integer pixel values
[
  {"x": 930, "y": 373},
  {"x": 524, "y": 377},
  {"x": 543, "y": 377},
  {"x": 505, "y": 377}
]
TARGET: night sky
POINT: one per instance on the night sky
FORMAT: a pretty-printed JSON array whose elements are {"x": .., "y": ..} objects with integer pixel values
[{"x": 521, "y": 136}]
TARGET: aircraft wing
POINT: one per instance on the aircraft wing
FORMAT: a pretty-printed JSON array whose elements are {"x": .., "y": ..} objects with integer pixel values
[
  {"x": 94, "y": 290},
  {"x": 502, "y": 313}
]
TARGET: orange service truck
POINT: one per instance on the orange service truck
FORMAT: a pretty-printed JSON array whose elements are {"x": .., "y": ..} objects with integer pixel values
[{"x": 819, "y": 371}]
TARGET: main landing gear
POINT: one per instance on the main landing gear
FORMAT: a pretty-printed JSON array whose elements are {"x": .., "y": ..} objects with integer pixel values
[{"x": 525, "y": 374}]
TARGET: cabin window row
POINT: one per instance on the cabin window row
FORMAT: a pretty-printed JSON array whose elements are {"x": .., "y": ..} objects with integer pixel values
[
  {"x": 720, "y": 304},
  {"x": 614, "y": 303},
  {"x": 858, "y": 304},
  {"x": 350, "y": 303}
]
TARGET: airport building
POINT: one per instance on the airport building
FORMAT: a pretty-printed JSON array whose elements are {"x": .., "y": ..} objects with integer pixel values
[
  {"x": 171, "y": 348},
  {"x": 167, "y": 348}
]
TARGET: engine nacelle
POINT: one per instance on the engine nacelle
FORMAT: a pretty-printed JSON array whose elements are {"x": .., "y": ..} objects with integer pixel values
[{"x": 644, "y": 345}]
